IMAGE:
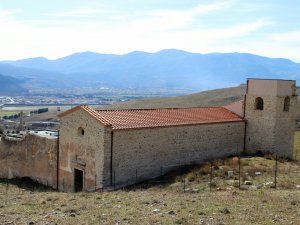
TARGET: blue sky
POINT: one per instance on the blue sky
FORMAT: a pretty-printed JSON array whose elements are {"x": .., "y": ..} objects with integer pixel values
[{"x": 56, "y": 28}]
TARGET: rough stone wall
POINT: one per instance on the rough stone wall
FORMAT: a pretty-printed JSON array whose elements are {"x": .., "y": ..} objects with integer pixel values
[
  {"x": 146, "y": 153},
  {"x": 270, "y": 129},
  {"x": 33, "y": 157},
  {"x": 84, "y": 152}
]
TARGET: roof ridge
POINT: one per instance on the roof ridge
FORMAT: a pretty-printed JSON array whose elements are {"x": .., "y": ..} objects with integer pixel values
[{"x": 153, "y": 109}]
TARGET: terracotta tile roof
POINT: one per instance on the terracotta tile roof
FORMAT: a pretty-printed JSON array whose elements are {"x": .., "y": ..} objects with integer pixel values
[{"x": 149, "y": 118}]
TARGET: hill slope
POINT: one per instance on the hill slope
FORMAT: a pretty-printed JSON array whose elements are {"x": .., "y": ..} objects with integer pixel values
[
  {"x": 217, "y": 97},
  {"x": 11, "y": 86}
]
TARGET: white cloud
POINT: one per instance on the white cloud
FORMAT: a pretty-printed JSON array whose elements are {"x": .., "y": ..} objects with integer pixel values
[
  {"x": 152, "y": 31},
  {"x": 286, "y": 37},
  {"x": 5, "y": 13},
  {"x": 172, "y": 19},
  {"x": 79, "y": 13}
]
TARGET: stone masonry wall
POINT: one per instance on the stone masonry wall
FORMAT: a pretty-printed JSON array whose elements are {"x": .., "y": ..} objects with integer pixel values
[
  {"x": 82, "y": 151},
  {"x": 146, "y": 153},
  {"x": 33, "y": 157},
  {"x": 270, "y": 129}
]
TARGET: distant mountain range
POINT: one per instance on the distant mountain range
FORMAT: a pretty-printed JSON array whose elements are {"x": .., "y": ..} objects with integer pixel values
[
  {"x": 165, "y": 69},
  {"x": 11, "y": 85}
]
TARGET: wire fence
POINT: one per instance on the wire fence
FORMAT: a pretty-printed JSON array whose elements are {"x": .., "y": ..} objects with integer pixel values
[
  {"x": 242, "y": 173},
  {"x": 235, "y": 173}
]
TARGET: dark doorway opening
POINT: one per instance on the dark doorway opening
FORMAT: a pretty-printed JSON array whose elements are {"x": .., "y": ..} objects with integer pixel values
[{"x": 78, "y": 181}]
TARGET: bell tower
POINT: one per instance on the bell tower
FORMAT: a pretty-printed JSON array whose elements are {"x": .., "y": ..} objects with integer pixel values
[{"x": 270, "y": 111}]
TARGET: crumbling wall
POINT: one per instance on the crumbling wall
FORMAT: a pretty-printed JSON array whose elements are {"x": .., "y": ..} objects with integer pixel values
[{"x": 32, "y": 156}]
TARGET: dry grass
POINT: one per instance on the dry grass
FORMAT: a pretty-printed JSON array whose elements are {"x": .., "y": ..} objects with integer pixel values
[
  {"x": 154, "y": 203},
  {"x": 151, "y": 207},
  {"x": 216, "y": 97}
]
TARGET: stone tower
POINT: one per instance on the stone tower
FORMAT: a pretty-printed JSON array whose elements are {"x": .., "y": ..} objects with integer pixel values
[{"x": 270, "y": 111}]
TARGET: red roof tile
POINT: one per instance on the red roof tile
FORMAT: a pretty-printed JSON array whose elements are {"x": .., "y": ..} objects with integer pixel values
[{"x": 148, "y": 118}]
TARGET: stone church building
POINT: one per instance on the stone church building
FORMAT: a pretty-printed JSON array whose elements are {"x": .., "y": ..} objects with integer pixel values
[{"x": 106, "y": 148}]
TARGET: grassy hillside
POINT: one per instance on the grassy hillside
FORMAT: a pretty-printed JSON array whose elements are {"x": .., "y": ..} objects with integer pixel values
[
  {"x": 163, "y": 201},
  {"x": 207, "y": 98}
]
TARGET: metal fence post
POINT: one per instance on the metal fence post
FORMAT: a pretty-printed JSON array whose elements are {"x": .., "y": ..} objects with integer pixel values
[
  {"x": 211, "y": 172},
  {"x": 95, "y": 182},
  {"x": 7, "y": 186},
  {"x": 184, "y": 184},
  {"x": 276, "y": 166},
  {"x": 239, "y": 173}
]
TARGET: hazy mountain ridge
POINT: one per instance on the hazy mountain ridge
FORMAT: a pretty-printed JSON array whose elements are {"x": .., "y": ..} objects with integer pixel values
[
  {"x": 164, "y": 69},
  {"x": 11, "y": 85}
]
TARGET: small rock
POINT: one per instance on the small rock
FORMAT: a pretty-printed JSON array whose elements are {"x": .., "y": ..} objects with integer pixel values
[
  {"x": 294, "y": 202},
  {"x": 230, "y": 173},
  {"x": 258, "y": 173},
  {"x": 248, "y": 182},
  {"x": 156, "y": 201},
  {"x": 298, "y": 186},
  {"x": 195, "y": 190},
  {"x": 201, "y": 213},
  {"x": 224, "y": 211},
  {"x": 259, "y": 186},
  {"x": 171, "y": 212},
  {"x": 156, "y": 210},
  {"x": 31, "y": 223},
  {"x": 72, "y": 214},
  {"x": 270, "y": 184}
]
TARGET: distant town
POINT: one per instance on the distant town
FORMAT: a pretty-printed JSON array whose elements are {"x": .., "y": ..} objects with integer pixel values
[{"x": 53, "y": 100}]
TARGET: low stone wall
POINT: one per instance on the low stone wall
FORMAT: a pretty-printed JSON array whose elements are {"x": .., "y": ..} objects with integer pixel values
[{"x": 32, "y": 156}]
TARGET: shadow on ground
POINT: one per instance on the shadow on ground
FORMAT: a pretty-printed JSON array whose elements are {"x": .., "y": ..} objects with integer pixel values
[{"x": 26, "y": 183}]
